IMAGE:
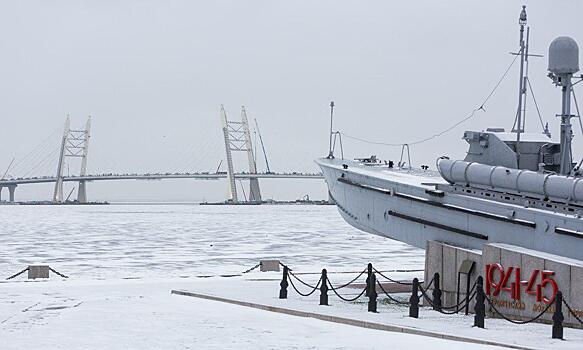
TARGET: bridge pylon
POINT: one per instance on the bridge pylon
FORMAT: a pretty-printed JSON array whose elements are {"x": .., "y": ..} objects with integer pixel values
[
  {"x": 237, "y": 138},
  {"x": 74, "y": 144}
]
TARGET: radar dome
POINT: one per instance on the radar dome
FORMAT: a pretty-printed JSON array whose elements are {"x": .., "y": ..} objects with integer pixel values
[{"x": 563, "y": 56}]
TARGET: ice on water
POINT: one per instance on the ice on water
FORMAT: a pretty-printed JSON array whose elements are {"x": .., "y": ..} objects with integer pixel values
[{"x": 184, "y": 240}]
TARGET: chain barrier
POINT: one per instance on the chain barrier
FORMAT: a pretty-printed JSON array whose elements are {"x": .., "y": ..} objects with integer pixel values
[
  {"x": 251, "y": 269},
  {"x": 519, "y": 322},
  {"x": 340, "y": 296},
  {"x": 58, "y": 273},
  {"x": 351, "y": 281},
  {"x": 400, "y": 302},
  {"x": 424, "y": 294},
  {"x": 315, "y": 288},
  {"x": 17, "y": 274},
  {"x": 572, "y": 312},
  {"x": 461, "y": 305},
  {"x": 430, "y": 283},
  {"x": 392, "y": 280},
  {"x": 472, "y": 293},
  {"x": 302, "y": 282}
]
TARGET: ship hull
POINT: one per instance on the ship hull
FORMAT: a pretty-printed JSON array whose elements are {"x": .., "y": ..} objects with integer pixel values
[{"x": 404, "y": 207}]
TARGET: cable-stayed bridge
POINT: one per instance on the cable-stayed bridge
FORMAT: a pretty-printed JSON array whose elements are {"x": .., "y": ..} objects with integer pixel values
[{"x": 74, "y": 143}]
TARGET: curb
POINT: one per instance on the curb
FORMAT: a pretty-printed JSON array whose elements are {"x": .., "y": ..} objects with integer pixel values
[{"x": 349, "y": 321}]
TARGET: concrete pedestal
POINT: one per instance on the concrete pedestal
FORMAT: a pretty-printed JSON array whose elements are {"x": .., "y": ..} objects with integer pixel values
[
  {"x": 518, "y": 271},
  {"x": 38, "y": 271}
]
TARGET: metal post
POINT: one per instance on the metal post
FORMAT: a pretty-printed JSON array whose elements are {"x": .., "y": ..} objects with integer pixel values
[
  {"x": 331, "y": 155},
  {"x": 558, "y": 317},
  {"x": 436, "y": 293},
  {"x": 414, "y": 300},
  {"x": 368, "y": 276},
  {"x": 324, "y": 288},
  {"x": 284, "y": 284},
  {"x": 566, "y": 133},
  {"x": 467, "y": 294},
  {"x": 480, "y": 307},
  {"x": 372, "y": 294}
]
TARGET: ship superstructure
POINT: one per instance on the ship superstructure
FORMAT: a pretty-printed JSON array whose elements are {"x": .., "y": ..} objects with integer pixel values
[{"x": 512, "y": 187}]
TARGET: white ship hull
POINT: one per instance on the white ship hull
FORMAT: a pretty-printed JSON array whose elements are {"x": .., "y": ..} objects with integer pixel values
[{"x": 403, "y": 205}]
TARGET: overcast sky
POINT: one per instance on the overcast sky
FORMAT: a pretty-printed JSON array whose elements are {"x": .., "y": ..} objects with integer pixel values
[{"x": 153, "y": 74}]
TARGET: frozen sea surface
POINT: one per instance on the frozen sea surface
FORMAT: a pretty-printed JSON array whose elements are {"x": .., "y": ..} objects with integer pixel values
[{"x": 118, "y": 241}]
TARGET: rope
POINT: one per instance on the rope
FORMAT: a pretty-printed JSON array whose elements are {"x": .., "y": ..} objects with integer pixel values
[
  {"x": 540, "y": 118},
  {"x": 519, "y": 322},
  {"x": 17, "y": 274},
  {"x": 392, "y": 280},
  {"x": 470, "y": 116},
  {"x": 572, "y": 312},
  {"x": 58, "y": 273},
  {"x": 400, "y": 302},
  {"x": 302, "y": 294},
  {"x": 251, "y": 269},
  {"x": 340, "y": 296}
]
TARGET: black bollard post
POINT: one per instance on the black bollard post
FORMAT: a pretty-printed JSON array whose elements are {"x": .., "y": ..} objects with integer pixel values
[
  {"x": 372, "y": 294},
  {"x": 558, "y": 317},
  {"x": 414, "y": 300},
  {"x": 324, "y": 288},
  {"x": 436, "y": 293},
  {"x": 283, "y": 284},
  {"x": 369, "y": 273},
  {"x": 480, "y": 307}
]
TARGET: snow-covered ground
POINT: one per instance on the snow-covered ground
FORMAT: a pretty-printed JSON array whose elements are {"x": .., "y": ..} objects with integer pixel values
[
  {"x": 123, "y": 261},
  {"x": 142, "y": 314}
]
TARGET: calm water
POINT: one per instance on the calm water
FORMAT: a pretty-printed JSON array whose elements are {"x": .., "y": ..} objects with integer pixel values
[{"x": 174, "y": 240}]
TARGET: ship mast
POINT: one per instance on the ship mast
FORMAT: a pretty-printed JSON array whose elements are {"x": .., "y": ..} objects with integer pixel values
[
  {"x": 519, "y": 122},
  {"x": 563, "y": 63}
]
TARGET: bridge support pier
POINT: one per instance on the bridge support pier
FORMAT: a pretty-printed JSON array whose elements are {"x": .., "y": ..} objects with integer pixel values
[
  {"x": 11, "y": 190},
  {"x": 82, "y": 192}
]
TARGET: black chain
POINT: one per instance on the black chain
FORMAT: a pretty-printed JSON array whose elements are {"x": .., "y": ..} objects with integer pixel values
[
  {"x": 519, "y": 322},
  {"x": 17, "y": 274},
  {"x": 58, "y": 273},
  {"x": 304, "y": 294},
  {"x": 343, "y": 298},
  {"x": 352, "y": 281},
  {"x": 471, "y": 292},
  {"x": 431, "y": 303},
  {"x": 390, "y": 297},
  {"x": 251, "y": 269},
  {"x": 302, "y": 282},
  {"x": 392, "y": 280},
  {"x": 430, "y": 283},
  {"x": 572, "y": 312}
]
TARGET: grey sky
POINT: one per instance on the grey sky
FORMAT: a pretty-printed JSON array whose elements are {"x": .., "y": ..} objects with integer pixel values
[{"x": 154, "y": 73}]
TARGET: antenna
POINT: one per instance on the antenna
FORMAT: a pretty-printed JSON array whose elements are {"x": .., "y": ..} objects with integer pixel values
[
  {"x": 331, "y": 154},
  {"x": 262, "y": 146},
  {"x": 563, "y": 63}
]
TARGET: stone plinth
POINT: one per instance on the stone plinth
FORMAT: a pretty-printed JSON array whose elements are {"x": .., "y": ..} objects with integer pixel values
[
  {"x": 38, "y": 271},
  {"x": 269, "y": 265}
]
